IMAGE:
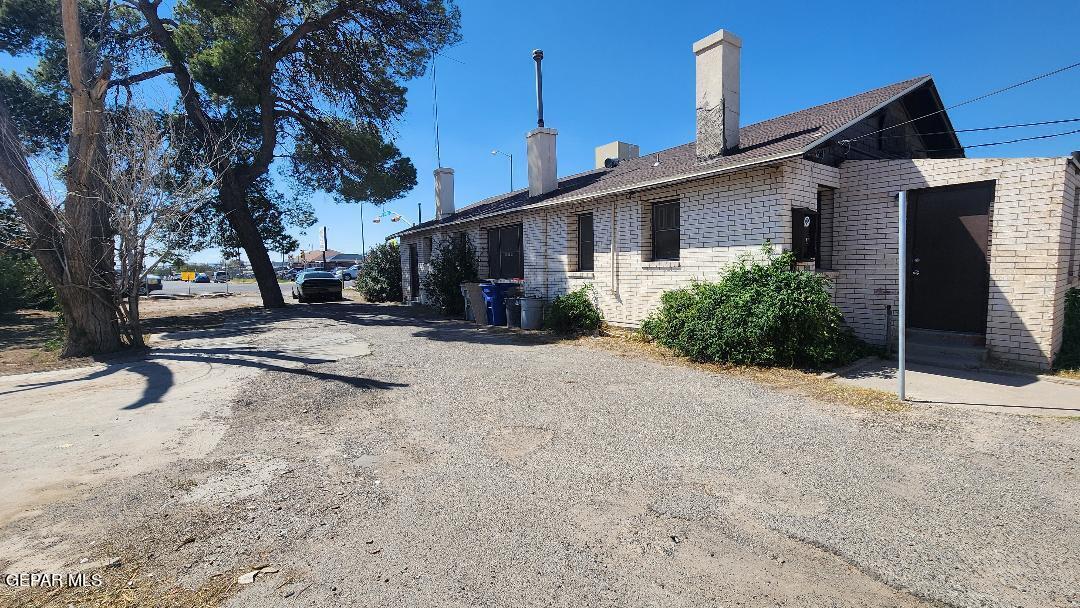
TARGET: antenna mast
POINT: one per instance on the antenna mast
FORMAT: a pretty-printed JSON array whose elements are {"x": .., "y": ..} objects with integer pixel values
[{"x": 435, "y": 110}]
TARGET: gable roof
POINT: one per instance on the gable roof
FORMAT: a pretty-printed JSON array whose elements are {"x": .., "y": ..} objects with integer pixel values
[{"x": 770, "y": 140}]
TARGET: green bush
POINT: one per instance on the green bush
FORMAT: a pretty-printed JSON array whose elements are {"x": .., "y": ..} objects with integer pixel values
[
  {"x": 758, "y": 313},
  {"x": 380, "y": 276},
  {"x": 23, "y": 283},
  {"x": 453, "y": 262},
  {"x": 1069, "y": 355},
  {"x": 574, "y": 312}
]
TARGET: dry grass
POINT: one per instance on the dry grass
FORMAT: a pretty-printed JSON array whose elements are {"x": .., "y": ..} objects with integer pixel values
[
  {"x": 128, "y": 586},
  {"x": 1071, "y": 374},
  {"x": 789, "y": 380}
]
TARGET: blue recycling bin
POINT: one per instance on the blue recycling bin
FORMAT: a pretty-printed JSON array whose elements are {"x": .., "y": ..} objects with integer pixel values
[{"x": 495, "y": 301}]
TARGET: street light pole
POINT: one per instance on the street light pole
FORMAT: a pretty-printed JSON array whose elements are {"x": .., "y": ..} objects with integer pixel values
[{"x": 511, "y": 157}]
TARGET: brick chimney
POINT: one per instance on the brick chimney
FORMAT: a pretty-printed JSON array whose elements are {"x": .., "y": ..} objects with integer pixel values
[
  {"x": 717, "y": 58},
  {"x": 616, "y": 150},
  {"x": 540, "y": 143},
  {"x": 444, "y": 192}
]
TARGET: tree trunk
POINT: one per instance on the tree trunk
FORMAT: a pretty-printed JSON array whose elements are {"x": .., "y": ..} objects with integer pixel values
[
  {"x": 89, "y": 291},
  {"x": 239, "y": 216},
  {"x": 74, "y": 249},
  {"x": 91, "y": 323}
]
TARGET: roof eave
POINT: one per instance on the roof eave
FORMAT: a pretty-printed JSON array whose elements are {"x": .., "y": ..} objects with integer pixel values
[
  {"x": 613, "y": 191},
  {"x": 681, "y": 178}
]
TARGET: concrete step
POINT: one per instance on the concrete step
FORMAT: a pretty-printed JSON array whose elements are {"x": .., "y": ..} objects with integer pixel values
[
  {"x": 946, "y": 355},
  {"x": 947, "y": 338}
]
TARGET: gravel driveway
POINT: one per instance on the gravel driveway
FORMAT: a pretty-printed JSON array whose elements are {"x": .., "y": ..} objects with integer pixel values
[{"x": 464, "y": 467}]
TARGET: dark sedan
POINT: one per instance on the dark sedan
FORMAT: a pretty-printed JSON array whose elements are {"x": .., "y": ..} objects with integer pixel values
[{"x": 316, "y": 285}]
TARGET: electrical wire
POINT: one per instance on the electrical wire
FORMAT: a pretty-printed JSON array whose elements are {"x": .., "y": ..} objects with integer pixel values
[
  {"x": 977, "y": 129},
  {"x": 1001, "y": 143},
  {"x": 966, "y": 102}
]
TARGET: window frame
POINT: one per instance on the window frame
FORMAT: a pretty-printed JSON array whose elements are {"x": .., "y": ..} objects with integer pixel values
[
  {"x": 496, "y": 256},
  {"x": 671, "y": 251},
  {"x": 583, "y": 245}
]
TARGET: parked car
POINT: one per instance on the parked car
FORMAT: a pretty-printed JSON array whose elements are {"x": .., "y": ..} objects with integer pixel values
[
  {"x": 202, "y": 277},
  {"x": 220, "y": 276},
  {"x": 348, "y": 274},
  {"x": 152, "y": 282},
  {"x": 316, "y": 285}
]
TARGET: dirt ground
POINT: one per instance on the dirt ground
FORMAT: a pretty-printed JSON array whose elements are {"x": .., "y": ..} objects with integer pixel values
[
  {"x": 353, "y": 454},
  {"x": 29, "y": 342}
]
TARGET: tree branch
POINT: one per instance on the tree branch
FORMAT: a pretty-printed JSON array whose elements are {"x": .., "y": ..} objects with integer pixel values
[
  {"x": 136, "y": 78},
  {"x": 189, "y": 95},
  {"x": 311, "y": 25}
]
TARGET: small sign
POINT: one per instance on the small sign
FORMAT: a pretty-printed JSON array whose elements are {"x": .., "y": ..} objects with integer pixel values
[{"x": 187, "y": 276}]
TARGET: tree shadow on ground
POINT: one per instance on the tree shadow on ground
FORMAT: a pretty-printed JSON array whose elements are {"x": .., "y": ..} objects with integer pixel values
[{"x": 158, "y": 377}]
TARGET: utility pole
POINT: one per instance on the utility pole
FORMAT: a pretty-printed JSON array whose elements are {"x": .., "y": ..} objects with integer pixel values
[
  {"x": 901, "y": 367},
  {"x": 324, "y": 247}
]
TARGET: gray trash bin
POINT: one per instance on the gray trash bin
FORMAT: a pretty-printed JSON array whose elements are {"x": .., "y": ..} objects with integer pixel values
[
  {"x": 513, "y": 312},
  {"x": 532, "y": 313}
]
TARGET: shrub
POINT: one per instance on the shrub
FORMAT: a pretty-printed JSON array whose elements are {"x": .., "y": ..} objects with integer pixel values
[
  {"x": 1069, "y": 355},
  {"x": 380, "y": 276},
  {"x": 453, "y": 262},
  {"x": 574, "y": 312},
  {"x": 23, "y": 283},
  {"x": 758, "y": 313}
]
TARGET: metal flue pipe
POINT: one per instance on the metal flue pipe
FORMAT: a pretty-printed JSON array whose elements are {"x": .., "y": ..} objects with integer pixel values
[{"x": 538, "y": 56}]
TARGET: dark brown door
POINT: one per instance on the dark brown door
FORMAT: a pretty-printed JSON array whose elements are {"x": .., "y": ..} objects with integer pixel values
[
  {"x": 948, "y": 266},
  {"x": 414, "y": 273}
]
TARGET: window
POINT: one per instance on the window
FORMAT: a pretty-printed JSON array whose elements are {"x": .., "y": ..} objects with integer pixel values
[
  {"x": 428, "y": 247},
  {"x": 804, "y": 234},
  {"x": 665, "y": 231},
  {"x": 505, "y": 257},
  {"x": 462, "y": 238},
  {"x": 585, "y": 242}
]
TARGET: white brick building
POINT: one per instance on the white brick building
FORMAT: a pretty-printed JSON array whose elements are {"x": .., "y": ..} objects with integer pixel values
[{"x": 993, "y": 243}]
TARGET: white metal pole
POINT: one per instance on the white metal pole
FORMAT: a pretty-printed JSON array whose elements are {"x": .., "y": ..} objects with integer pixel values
[{"x": 901, "y": 333}]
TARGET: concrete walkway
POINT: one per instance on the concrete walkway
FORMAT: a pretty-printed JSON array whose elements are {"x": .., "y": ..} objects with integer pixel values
[{"x": 979, "y": 389}]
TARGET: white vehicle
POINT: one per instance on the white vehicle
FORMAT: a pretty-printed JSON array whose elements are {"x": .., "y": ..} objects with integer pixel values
[
  {"x": 220, "y": 276},
  {"x": 347, "y": 274}
]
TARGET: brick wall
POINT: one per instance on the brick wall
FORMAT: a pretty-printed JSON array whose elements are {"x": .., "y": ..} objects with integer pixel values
[
  {"x": 729, "y": 216},
  {"x": 722, "y": 218},
  {"x": 1028, "y": 224}
]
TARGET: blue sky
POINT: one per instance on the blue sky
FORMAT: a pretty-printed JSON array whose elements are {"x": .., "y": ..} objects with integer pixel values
[{"x": 626, "y": 71}]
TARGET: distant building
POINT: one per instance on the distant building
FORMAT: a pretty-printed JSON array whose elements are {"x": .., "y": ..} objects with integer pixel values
[{"x": 330, "y": 257}]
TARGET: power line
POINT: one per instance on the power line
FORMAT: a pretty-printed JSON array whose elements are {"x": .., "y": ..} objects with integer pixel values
[
  {"x": 966, "y": 102},
  {"x": 1011, "y": 141},
  {"x": 977, "y": 129}
]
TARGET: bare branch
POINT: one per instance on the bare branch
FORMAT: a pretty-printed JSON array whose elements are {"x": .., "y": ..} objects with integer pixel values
[{"x": 137, "y": 78}]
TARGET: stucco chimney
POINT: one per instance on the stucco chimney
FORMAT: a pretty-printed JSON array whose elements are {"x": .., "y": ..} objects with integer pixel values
[
  {"x": 717, "y": 58},
  {"x": 616, "y": 150},
  {"x": 444, "y": 192},
  {"x": 540, "y": 143}
]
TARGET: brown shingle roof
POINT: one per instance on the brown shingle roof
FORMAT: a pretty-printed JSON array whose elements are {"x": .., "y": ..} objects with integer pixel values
[{"x": 780, "y": 137}]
